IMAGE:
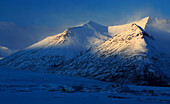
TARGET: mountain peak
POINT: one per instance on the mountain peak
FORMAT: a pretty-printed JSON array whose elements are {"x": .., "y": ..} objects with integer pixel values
[
  {"x": 148, "y": 17},
  {"x": 91, "y": 22}
]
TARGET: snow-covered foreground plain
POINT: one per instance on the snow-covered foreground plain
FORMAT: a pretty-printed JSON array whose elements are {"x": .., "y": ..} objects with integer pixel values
[{"x": 23, "y": 87}]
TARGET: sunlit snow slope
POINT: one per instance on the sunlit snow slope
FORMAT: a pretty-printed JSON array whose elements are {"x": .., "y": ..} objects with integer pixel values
[{"x": 113, "y": 30}]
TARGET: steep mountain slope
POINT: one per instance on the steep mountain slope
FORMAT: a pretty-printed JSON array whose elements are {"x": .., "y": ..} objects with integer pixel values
[
  {"x": 159, "y": 29},
  {"x": 4, "y": 51},
  {"x": 128, "y": 57},
  {"x": 56, "y": 49}
]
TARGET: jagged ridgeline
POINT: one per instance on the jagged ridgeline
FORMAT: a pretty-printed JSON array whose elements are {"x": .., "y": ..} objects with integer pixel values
[{"x": 122, "y": 54}]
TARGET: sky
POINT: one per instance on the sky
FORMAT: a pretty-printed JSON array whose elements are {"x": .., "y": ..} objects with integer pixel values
[{"x": 24, "y": 22}]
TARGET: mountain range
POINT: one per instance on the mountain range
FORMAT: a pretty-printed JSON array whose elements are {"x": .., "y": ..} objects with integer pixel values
[{"x": 135, "y": 53}]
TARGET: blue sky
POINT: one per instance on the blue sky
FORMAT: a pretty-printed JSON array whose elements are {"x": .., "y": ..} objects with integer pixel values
[{"x": 57, "y": 15}]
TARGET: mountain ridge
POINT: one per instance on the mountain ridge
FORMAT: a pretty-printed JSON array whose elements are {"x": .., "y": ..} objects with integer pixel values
[{"x": 98, "y": 52}]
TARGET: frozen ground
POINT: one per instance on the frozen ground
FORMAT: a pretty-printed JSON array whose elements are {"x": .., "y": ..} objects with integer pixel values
[{"x": 24, "y": 87}]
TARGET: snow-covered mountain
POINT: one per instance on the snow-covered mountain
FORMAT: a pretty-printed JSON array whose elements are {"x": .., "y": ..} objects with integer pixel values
[
  {"x": 134, "y": 54},
  {"x": 4, "y": 51},
  {"x": 157, "y": 28},
  {"x": 55, "y": 50},
  {"x": 128, "y": 57}
]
